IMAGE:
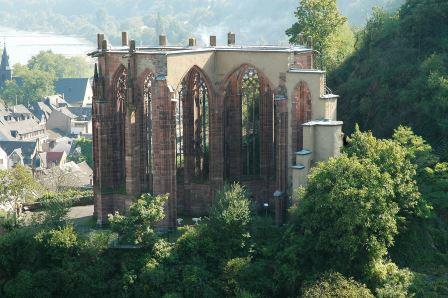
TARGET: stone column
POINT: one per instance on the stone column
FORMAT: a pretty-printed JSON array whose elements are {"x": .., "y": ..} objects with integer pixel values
[
  {"x": 266, "y": 131},
  {"x": 232, "y": 102},
  {"x": 281, "y": 137},
  {"x": 216, "y": 135},
  {"x": 102, "y": 121},
  {"x": 132, "y": 156},
  {"x": 188, "y": 135},
  {"x": 132, "y": 140},
  {"x": 164, "y": 148}
]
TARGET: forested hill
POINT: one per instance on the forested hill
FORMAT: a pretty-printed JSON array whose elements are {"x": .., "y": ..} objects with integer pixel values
[
  {"x": 255, "y": 21},
  {"x": 399, "y": 74}
]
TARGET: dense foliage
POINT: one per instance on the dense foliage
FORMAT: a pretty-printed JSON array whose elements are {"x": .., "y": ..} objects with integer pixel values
[
  {"x": 352, "y": 233},
  {"x": 357, "y": 199},
  {"x": 399, "y": 74},
  {"x": 336, "y": 285}
]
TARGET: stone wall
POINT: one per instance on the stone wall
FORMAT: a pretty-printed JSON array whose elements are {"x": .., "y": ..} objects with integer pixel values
[{"x": 134, "y": 124}]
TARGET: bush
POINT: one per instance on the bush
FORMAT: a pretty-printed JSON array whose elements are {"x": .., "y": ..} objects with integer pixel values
[
  {"x": 390, "y": 281},
  {"x": 336, "y": 285},
  {"x": 138, "y": 227},
  {"x": 230, "y": 219},
  {"x": 55, "y": 207}
]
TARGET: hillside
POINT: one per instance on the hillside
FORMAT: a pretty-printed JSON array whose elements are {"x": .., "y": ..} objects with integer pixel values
[
  {"x": 399, "y": 74},
  {"x": 255, "y": 22}
]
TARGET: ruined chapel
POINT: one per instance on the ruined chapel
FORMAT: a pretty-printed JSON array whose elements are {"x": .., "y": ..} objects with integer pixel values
[{"x": 185, "y": 120}]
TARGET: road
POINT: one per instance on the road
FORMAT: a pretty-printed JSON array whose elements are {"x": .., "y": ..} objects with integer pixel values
[{"x": 80, "y": 212}]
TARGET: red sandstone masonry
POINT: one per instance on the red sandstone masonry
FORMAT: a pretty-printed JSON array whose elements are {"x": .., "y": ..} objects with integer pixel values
[
  {"x": 121, "y": 143},
  {"x": 164, "y": 149}
]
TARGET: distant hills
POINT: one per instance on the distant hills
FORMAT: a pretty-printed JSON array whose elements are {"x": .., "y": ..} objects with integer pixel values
[{"x": 254, "y": 21}]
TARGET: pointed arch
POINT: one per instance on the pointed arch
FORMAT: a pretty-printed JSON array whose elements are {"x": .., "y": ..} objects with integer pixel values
[
  {"x": 120, "y": 93},
  {"x": 249, "y": 144},
  {"x": 120, "y": 86},
  {"x": 301, "y": 113},
  {"x": 193, "y": 126},
  {"x": 145, "y": 83}
]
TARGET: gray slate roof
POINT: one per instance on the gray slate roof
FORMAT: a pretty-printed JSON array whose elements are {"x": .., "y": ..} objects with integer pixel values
[
  {"x": 40, "y": 109},
  {"x": 74, "y": 89},
  {"x": 28, "y": 148},
  {"x": 82, "y": 113}
]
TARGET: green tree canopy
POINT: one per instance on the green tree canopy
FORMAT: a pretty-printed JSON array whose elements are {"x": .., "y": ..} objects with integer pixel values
[
  {"x": 230, "y": 218},
  {"x": 346, "y": 217},
  {"x": 36, "y": 85},
  {"x": 391, "y": 158},
  {"x": 59, "y": 66},
  {"x": 398, "y": 74},
  {"x": 85, "y": 152},
  {"x": 331, "y": 34}
]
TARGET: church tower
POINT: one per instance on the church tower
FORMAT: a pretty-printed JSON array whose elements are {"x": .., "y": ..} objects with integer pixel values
[{"x": 5, "y": 69}]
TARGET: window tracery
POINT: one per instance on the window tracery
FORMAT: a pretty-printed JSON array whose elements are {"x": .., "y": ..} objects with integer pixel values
[{"x": 250, "y": 122}]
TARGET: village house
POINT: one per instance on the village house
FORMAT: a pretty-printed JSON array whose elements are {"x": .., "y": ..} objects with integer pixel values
[
  {"x": 17, "y": 123},
  {"x": 74, "y": 121},
  {"x": 76, "y": 92},
  {"x": 20, "y": 153}
]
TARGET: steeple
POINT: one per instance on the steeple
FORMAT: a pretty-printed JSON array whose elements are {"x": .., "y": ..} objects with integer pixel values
[
  {"x": 5, "y": 60},
  {"x": 5, "y": 68}
]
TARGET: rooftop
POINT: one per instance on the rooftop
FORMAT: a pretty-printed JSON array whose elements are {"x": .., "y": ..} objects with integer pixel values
[
  {"x": 172, "y": 50},
  {"x": 73, "y": 89},
  {"x": 164, "y": 49},
  {"x": 28, "y": 148}
]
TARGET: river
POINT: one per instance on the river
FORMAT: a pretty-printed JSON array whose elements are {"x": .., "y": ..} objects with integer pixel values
[{"x": 22, "y": 45}]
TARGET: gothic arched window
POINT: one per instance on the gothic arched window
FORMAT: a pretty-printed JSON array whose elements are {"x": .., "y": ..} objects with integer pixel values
[
  {"x": 147, "y": 133},
  {"x": 180, "y": 130},
  {"x": 250, "y": 122},
  {"x": 192, "y": 117},
  {"x": 120, "y": 85}
]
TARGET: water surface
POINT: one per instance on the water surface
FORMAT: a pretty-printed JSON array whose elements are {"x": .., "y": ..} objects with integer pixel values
[{"x": 22, "y": 45}]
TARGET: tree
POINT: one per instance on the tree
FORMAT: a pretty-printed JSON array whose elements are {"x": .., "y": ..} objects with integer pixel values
[
  {"x": 391, "y": 158},
  {"x": 418, "y": 150},
  {"x": 230, "y": 219},
  {"x": 138, "y": 227},
  {"x": 39, "y": 75},
  {"x": 36, "y": 84},
  {"x": 321, "y": 20},
  {"x": 56, "y": 207},
  {"x": 347, "y": 217},
  {"x": 398, "y": 74},
  {"x": 58, "y": 179},
  {"x": 59, "y": 66},
  {"x": 17, "y": 186}
]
